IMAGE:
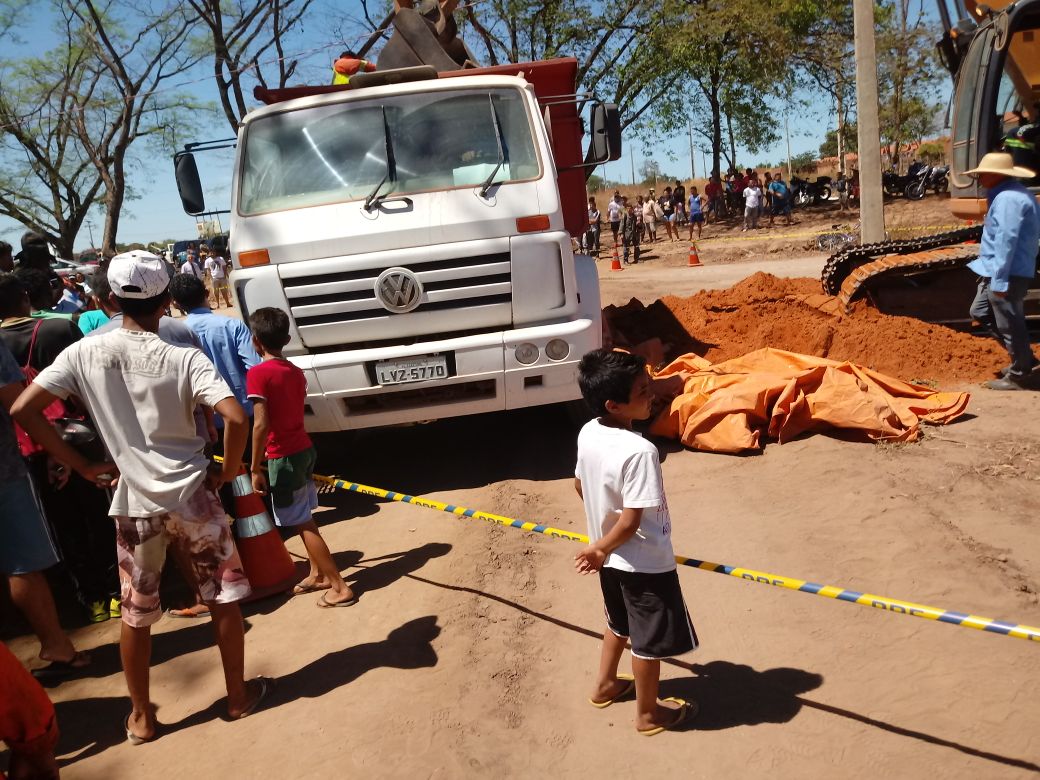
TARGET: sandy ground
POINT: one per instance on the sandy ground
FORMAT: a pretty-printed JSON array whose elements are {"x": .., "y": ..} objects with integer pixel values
[{"x": 473, "y": 647}]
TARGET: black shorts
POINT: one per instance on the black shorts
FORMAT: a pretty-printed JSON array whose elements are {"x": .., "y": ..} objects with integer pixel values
[{"x": 648, "y": 609}]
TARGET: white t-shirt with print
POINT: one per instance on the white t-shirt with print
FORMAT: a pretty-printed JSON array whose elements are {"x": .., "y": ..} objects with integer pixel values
[
  {"x": 217, "y": 267},
  {"x": 614, "y": 210},
  {"x": 141, "y": 393},
  {"x": 620, "y": 469}
]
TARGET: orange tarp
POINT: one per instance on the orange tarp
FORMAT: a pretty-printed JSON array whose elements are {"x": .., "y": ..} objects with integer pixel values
[{"x": 728, "y": 407}]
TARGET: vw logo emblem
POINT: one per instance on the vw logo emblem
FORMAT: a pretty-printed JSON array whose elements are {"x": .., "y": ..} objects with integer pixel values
[{"x": 398, "y": 290}]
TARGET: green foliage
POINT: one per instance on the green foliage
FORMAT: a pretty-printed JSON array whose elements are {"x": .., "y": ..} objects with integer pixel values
[
  {"x": 594, "y": 183},
  {"x": 932, "y": 152},
  {"x": 829, "y": 147},
  {"x": 908, "y": 72},
  {"x": 805, "y": 161}
]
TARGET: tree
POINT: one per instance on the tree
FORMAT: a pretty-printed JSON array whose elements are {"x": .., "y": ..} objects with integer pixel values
[
  {"x": 728, "y": 63},
  {"x": 829, "y": 147},
  {"x": 826, "y": 61},
  {"x": 245, "y": 33},
  {"x": 69, "y": 118},
  {"x": 47, "y": 181},
  {"x": 613, "y": 43},
  {"x": 908, "y": 73},
  {"x": 804, "y": 161}
]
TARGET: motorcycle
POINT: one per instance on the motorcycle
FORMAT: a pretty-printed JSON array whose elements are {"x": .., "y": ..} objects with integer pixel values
[
  {"x": 805, "y": 192},
  {"x": 895, "y": 183},
  {"x": 938, "y": 180},
  {"x": 917, "y": 187}
]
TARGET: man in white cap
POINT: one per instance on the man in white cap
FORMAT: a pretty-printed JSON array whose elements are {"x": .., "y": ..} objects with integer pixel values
[
  {"x": 141, "y": 392},
  {"x": 1007, "y": 263}
]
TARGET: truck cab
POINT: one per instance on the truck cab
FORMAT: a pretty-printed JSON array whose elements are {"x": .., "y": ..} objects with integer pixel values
[{"x": 415, "y": 232}]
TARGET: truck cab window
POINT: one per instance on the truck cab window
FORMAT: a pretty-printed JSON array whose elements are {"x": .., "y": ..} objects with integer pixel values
[{"x": 441, "y": 140}]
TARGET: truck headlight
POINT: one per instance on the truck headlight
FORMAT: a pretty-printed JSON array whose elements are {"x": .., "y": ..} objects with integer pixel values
[
  {"x": 557, "y": 349},
  {"x": 526, "y": 353}
]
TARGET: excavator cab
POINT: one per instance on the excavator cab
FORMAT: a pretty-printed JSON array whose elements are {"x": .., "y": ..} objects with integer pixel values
[
  {"x": 996, "y": 97},
  {"x": 993, "y": 52}
]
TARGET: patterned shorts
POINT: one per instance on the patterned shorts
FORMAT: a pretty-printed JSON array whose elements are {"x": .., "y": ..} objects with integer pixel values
[{"x": 199, "y": 535}]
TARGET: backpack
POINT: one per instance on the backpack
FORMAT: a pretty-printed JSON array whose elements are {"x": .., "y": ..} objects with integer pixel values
[{"x": 56, "y": 411}]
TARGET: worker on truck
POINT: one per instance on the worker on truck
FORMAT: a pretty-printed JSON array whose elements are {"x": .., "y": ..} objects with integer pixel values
[{"x": 347, "y": 65}]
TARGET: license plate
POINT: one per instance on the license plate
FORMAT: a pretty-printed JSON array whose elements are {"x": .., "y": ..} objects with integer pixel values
[{"x": 395, "y": 372}]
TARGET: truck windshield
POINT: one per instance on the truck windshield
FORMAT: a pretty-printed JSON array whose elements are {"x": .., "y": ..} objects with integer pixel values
[{"x": 336, "y": 153}]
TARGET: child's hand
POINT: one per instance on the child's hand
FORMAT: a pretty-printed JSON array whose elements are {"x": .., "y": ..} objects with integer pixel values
[
  {"x": 259, "y": 483},
  {"x": 589, "y": 560}
]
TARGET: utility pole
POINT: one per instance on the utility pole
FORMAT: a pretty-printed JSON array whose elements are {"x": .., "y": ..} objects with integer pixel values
[
  {"x": 787, "y": 135},
  {"x": 704, "y": 165},
  {"x": 632, "y": 162},
  {"x": 871, "y": 207},
  {"x": 693, "y": 160}
]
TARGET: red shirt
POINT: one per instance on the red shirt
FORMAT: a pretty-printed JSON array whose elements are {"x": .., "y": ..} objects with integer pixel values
[{"x": 283, "y": 389}]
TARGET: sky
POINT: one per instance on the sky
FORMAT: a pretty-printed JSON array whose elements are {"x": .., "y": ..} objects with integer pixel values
[{"x": 156, "y": 212}]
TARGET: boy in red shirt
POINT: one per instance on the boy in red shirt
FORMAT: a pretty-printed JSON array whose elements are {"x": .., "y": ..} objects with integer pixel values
[{"x": 278, "y": 390}]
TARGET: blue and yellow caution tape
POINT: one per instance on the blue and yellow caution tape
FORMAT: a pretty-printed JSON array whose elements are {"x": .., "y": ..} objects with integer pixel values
[{"x": 896, "y": 606}]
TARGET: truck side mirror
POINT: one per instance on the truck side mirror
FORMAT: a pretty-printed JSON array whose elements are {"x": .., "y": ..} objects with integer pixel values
[
  {"x": 606, "y": 134},
  {"x": 189, "y": 186}
]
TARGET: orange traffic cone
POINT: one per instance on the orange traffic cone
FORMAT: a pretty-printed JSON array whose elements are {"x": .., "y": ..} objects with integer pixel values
[
  {"x": 615, "y": 264},
  {"x": 266, "y": 561},
  {"x": 694, "y": 257}
]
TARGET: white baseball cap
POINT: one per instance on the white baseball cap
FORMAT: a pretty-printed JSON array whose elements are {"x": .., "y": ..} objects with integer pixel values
[{"x": 137, "y": 274}]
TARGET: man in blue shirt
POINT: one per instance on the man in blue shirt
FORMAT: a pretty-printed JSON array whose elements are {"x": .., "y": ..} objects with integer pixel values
[
  {"x": 1007, "y": 263},
  {"x": 226, "y": 341}
]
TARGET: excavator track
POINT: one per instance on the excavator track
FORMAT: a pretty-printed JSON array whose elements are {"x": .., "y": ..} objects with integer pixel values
[
  {"x": 842, "y": 264},
  {"x": 921, "y": 261}
]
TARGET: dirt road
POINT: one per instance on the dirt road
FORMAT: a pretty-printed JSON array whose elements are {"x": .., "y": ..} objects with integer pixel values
[{"x": 473, "y": 647}]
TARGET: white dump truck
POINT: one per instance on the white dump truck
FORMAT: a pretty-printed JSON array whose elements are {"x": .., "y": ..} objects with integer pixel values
[{"x": 416, "y": 227}]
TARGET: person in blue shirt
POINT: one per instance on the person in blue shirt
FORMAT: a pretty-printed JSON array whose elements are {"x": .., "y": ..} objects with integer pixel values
[
  {"x": 226, "y": 341},
  {"x": 1007, "y": 263}
]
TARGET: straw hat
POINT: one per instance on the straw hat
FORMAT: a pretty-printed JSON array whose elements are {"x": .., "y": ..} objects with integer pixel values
[{"x": 1000, "y": 163}]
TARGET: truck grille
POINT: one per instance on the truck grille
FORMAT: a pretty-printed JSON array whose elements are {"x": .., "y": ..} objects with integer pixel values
[{"x": 459, "y": 294}]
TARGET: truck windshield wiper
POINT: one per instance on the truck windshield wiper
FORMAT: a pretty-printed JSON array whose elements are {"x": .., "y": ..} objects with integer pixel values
[
  {"x": 374, "y": 198},
  {"x": 489, "y": 182}
]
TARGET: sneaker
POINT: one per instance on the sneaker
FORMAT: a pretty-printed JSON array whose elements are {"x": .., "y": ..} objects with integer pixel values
[
  {"x": 98, "y": 611},
  {"x": 1006, "y": 370},
  {"x": 115, "y": 610},
  {"x": 1007, "y": 383}
]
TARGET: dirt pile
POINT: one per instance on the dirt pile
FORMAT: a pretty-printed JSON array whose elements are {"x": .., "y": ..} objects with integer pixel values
[{"x": 791, "y": 314}]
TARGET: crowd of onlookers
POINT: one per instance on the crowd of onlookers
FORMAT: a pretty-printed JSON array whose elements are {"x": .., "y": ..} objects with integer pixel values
[
  {"x": 110, "y": 411},
  {"x": 638, "y": 222}
]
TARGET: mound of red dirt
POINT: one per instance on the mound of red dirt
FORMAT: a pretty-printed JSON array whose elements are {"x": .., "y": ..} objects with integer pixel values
[{"x": 791, "y": 314}]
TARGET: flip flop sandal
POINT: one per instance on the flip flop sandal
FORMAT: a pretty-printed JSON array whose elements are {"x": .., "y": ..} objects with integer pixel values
[
  {"x": 624, "y": 692},
  {"x": 188, "y": 613},
  {"x": 687, "y": 709},
  {"x": 132, "y": 738},
  {"x": 300, "y": 589},
  {"x": 326, "y": 604},
  {"x": 58, "y": 669},
  {"x": 267, "y": 686}
]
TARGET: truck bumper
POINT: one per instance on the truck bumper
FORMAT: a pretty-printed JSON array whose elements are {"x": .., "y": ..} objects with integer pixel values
[{"x": 487, "y": 377}]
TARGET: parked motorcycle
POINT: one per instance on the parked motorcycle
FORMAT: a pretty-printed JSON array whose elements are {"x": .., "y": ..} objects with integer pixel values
[
  {"x": 917, "y": 187},
  {"x": 805, "y": 192},
  {"x": 938, "y": 179},
  {"x": 895, "y": 183}
]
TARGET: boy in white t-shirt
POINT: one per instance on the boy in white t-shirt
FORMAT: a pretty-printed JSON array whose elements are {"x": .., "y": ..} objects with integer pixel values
[
  {"x": 752, "y": 199},
  {"x": 618, "y": 477}
]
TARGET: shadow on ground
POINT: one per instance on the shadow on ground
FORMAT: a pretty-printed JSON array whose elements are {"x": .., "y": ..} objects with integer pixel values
[{"x": 91, "y": 726}]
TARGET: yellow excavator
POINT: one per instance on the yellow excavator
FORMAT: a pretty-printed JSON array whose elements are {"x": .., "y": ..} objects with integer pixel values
[{"x": 993, "y": 53}]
